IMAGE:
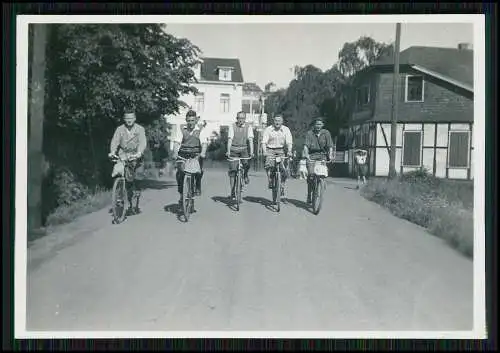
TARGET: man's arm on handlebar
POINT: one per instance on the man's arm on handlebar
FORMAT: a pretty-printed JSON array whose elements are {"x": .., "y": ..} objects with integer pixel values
[
  {"x": 203, "y": 150},
  {"x": 175, "y": 150},
  {"x": 305, "y": 152}
]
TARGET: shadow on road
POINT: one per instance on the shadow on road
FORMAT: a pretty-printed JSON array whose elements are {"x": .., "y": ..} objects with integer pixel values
[
  {"x": 351, "y": 187},
  {"x": 225, "y": 200},
  {"x": 261, "y": 201},
  {"x": 300, "y": 204},
  {"x": 156, "y": 184},
  {"x": 175, "y": 209}
]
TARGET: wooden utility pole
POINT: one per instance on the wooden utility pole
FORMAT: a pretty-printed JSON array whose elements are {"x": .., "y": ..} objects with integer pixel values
[
  {"x": 395, "y": 103},
  {"x": 35, "y": 130}
]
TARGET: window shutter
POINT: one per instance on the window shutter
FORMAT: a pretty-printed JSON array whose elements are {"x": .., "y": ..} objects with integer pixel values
[
  {"x": 459, "y": 149},
  {"x": 412, "y": 148}
]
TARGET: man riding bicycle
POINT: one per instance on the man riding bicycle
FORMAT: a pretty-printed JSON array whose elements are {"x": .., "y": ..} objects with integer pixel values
[
  {"x": 189, "y": 142},
  {"x": 318, "y": 146},
  {"x": 129, "y": 141},
  {"x": 276, "y": 142},
  {"x": 239, "y": 135}
]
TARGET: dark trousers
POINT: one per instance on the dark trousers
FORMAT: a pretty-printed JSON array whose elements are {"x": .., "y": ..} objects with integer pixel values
[{"x": 133, "y": 187}]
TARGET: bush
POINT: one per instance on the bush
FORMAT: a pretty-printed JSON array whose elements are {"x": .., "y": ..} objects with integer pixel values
[
  {"x": 69, "y": 212},
  {"x": 444, "y": 207},
  {"x": 67, "y": 188}
]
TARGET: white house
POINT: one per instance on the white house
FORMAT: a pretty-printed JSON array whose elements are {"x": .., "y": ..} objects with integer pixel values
[
  {"x": 253, "y": 104},
  {"x": 220, "y": 92}
]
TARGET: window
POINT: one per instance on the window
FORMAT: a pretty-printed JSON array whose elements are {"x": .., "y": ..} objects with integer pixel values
[
  {"x": 225, "y": 74},
  {"x": 363, "y": 96},
  {"x": 256, "y": 107},
  {"x": 458, "y": 149},
  {"x": 412, "y": 148},
  {"x": 245, "y": 106},
  {"x": 414, "y": 89},
  {"x": 224, "y": 103},
  {"x": 199, "y": 102}
]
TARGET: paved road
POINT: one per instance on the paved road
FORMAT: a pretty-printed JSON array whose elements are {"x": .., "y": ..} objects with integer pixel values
[{"x": 352, "y": 267}]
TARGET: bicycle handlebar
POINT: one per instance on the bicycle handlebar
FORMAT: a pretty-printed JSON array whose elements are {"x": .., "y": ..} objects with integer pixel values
[
  {"x": 322, "y": 160},
  {"x": 185, "y": 159},
  {"x": 236, "y": 159},
  {"x": 116, "y": 158}
]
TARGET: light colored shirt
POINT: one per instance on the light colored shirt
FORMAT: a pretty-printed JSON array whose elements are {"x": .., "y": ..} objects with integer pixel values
[
  {"x": 230, "y": 132},
  {"x": 273, "y": 138},
  {"x": 129, "y": 141},
  {"x": 360, "y": 158},
  {"x": 177, "y": 136}
]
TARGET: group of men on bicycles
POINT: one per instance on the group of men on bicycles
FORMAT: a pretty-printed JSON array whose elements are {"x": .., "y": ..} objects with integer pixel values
[{"x": 191, "y": 141}]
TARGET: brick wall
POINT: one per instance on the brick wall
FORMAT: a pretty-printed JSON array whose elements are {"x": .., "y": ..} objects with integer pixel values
[{"x": 441, "y": 102}]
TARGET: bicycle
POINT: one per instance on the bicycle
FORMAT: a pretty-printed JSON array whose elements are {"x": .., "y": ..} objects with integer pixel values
[
  {"x": 119, "y": 195},
  {"x": 278, "y": 189},
  {"x": 191, "y": 167},
  {"x": 320, "y": 172},
  {"x": 238, "y": 184}
]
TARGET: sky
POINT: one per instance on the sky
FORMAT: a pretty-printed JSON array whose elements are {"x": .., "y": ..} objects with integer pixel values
[{"x": 269, "y": 51}]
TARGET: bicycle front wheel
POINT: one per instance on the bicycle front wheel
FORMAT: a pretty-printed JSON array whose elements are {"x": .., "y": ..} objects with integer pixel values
[
  {"x": 119, "y": 200},
  {"x": 237, "y": 190},
  {"x": 186, "y": 196},
  {"x": 318, "y": 195},
  {"x": 277, "y": 190}
]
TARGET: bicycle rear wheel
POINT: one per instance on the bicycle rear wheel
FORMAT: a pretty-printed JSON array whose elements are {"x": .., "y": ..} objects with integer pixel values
[
  {"x": 318, "y": 195},
  {"x": 119, "y": 200},
  {"x": 186, "y": 196}
]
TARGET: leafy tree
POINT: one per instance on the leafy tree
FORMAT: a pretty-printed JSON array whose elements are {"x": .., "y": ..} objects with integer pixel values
[
  {"x": 313, "y": 92},
  {"x": 353, "y": 57},
  {"x": 94, "y": 71}
]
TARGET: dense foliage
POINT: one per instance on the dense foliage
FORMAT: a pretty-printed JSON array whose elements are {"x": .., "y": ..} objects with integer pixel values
[
  {"x": 93, "y": 72},
  {"x": 313, "y": 92}
]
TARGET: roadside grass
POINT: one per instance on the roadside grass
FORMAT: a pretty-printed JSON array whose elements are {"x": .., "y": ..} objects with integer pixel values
[
  {"x": 90, "y": 202},
  {"x": 443, "y": 207}
]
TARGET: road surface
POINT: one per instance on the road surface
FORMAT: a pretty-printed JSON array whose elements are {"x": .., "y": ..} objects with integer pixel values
[{"x": 352, "y": 267}]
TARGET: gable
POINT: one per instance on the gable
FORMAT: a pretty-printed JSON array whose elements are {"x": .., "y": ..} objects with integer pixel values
[
  {"x": 211, "y": 67},
  {"x": 455, "y": 64}
]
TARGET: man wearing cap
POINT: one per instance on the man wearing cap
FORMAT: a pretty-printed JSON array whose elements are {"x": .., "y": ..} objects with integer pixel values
[
  {"x": 189, "y": 141},
  {"x": 129, "y": 142},
  {"x": 318, "y": 146}
]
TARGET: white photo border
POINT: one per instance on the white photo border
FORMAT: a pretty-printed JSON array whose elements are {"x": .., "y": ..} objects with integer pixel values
[{"x": 20, "y": 259}]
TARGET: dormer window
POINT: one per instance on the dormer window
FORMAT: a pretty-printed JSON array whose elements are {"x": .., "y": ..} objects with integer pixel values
[{"x": 225, "y": 73}]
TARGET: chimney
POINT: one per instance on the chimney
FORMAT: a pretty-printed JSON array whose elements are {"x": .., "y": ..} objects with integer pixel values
[
  {"x": 464, "y": 46},
  {"x": 197, "y": 69}
]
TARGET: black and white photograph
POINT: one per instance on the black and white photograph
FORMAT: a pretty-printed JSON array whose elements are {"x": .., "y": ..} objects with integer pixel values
[{"x": 250, "y": 176}]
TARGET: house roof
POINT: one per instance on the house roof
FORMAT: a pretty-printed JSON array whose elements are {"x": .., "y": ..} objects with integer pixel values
[
  {"x": 448, "y": 64},
  {"x": 251, "y": 87},
  {"x": 210, "y": 66},
  {"x": 454, "y": 66}
]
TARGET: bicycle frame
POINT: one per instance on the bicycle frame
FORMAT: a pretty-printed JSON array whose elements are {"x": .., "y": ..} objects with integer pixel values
[
  {"x": 120, "y": 179},
  {"x": 318, "y": 186},
  {"x": 238, "y": 185},
  {"x": 276, "y": 172},
  {"x": 188, "y": 189}
]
